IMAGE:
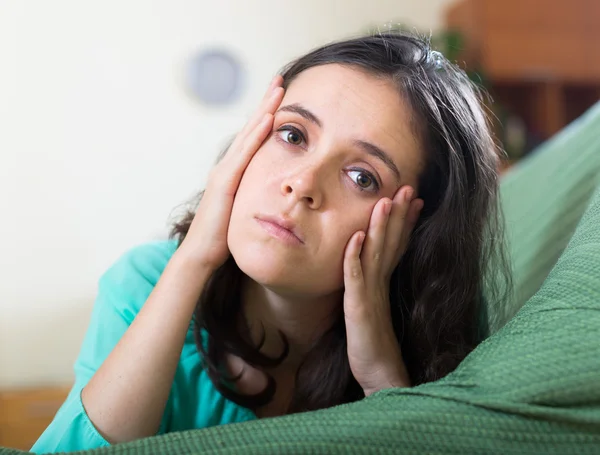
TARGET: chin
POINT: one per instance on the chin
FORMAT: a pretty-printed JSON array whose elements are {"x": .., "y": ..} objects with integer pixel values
[
  {"x": 271, "y": 269},
  {"x": 281, "y": 268},
  {"x": 265, "y": 267}
]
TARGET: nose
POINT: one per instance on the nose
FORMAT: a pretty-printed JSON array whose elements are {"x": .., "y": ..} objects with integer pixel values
[{"x": 303, "y": 186}]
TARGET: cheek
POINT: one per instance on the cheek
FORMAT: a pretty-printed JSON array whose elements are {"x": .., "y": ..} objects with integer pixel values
[
  {"x": 251, "y": 193},
  {"x": 253, "y": 179},
  {"x": 330, "y": 258},
  {"x": 356, "y": 218},
  {"x": 343, "y": 228},
  {"x": 264, "y": 165},
  {"x": 250, "y": 178}
]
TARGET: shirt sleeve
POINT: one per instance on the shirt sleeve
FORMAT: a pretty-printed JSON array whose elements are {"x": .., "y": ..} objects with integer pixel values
[{"x": 122, "y": 291}]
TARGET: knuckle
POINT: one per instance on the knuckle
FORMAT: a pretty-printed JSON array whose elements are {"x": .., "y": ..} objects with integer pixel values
[{"x": 355, "y": 271}]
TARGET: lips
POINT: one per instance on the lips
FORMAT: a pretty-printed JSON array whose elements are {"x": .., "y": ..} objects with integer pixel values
[{"x": 283, "y": 224}]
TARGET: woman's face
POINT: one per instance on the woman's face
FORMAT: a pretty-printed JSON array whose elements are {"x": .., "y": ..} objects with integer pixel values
[{"x": 341, "y": 141}]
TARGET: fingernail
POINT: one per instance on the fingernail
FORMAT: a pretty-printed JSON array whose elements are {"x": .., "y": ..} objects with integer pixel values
[{"x": 409, "y": 195}]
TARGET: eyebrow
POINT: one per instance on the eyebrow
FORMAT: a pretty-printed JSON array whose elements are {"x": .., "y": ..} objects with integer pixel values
[{"x": 367, "y": 147}]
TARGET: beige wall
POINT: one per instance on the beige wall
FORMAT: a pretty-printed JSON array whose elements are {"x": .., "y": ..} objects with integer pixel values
[{"x": 99, "y": 141}]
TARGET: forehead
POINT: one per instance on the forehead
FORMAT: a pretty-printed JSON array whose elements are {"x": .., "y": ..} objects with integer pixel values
[{"x": 355, "y": 103}]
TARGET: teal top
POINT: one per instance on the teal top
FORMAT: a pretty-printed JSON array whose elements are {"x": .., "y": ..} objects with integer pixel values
[{"x": 122, "y": 290}]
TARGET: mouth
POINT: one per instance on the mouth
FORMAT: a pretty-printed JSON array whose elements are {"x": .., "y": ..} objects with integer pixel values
[{"x": 281, "y": 228}]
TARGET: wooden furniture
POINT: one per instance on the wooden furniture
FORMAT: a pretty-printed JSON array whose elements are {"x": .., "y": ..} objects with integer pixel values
[
  {"x": 25, "y": 414},
  {"x": 541, "y": 58}
]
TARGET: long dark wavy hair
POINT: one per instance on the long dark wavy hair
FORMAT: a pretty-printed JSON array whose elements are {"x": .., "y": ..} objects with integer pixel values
[{"x": 456, "y": 252}]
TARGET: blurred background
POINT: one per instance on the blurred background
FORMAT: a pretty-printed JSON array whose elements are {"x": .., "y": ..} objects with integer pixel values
[{"x": 112, "y": 113}]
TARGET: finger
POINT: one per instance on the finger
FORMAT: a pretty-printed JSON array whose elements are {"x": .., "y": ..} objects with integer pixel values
[
  {"x": 250, "y": 146},
  {"x": 415, "y": 211},
  {"x": 397, "y": 226},
  {"x": 353, "y": 272},
  {"x": 270, "y": 101},
  {"x": 269, "y": 104},
  {"x": 376, "y": 236},
  {"x": 410, "y": 221},
  {"x": 277, "y": 81},
  {"x": 412, "y": 217},
  {"x": 268, "y": 107}
]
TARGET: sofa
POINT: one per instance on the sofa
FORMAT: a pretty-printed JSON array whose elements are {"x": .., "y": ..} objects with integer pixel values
[{"x": 531, "y": 387}]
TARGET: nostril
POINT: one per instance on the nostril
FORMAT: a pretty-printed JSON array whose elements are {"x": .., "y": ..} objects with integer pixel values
[{"x": 310, "y": 200}]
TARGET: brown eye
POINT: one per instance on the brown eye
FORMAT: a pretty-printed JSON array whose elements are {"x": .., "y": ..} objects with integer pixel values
[
  {"x": 364, "y": 180},
  {"x": 294, "y": 138},
  {"x": 291, "y": 135}
]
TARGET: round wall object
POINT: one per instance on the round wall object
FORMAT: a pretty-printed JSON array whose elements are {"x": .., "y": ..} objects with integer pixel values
[{"x": 215, "y": 77}]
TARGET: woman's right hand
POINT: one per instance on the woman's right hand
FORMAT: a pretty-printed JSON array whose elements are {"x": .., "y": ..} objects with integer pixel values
[{"x": 206, "y": 240}]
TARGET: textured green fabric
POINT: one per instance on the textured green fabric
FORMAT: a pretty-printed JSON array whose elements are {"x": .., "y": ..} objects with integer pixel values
[
  {"x": 543, "y": 198},
  {"x": 532, "y": 387}
]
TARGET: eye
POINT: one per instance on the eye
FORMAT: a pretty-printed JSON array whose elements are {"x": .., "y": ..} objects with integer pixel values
[
  {"x": 365, "y": 181},
  {"x": 291, "y": 135}
]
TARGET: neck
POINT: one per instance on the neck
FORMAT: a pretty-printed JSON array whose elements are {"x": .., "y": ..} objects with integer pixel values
[{"x": 303, "y": 319}]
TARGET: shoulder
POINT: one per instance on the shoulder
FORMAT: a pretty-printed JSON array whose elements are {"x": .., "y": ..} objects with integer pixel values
[
  {"x": 131, "y": 278},
  {"x": 147, "y": 260}
]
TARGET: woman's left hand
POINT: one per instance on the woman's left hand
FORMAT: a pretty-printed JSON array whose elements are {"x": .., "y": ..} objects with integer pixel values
[{"x": 369, "y": 260}]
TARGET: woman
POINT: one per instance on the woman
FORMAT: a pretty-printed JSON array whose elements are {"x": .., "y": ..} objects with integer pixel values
[{"x": 341, "y": 247}]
